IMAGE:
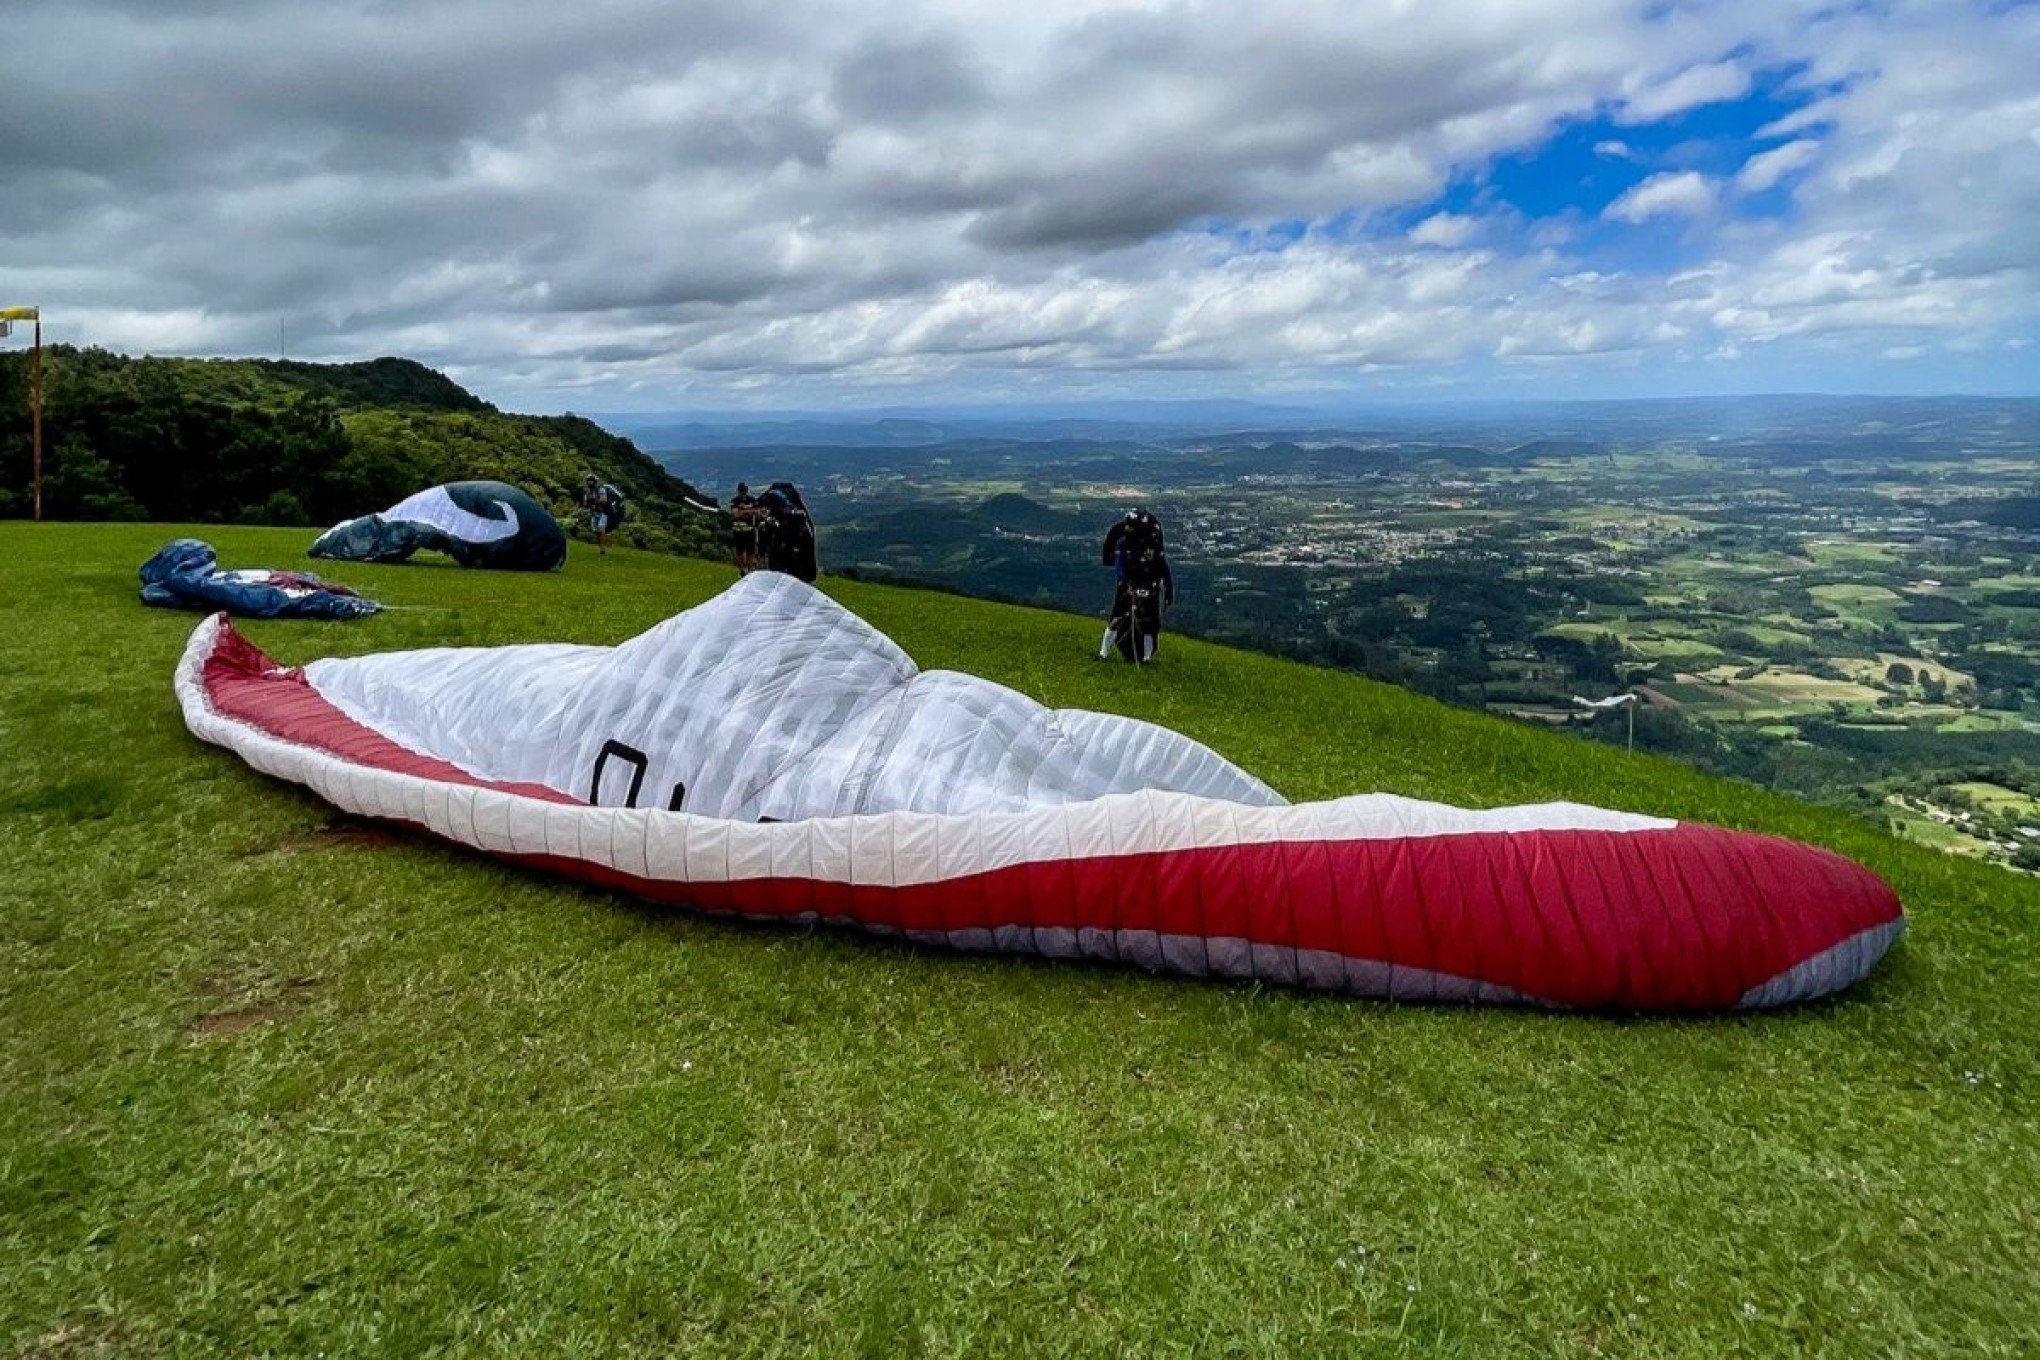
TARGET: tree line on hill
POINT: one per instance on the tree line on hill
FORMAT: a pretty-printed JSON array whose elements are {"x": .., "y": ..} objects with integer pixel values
[{"x": 259, "y": 441}]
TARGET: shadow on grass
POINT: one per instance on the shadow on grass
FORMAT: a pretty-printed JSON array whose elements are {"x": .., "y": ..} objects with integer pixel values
[{"x": 92, "y": 798}]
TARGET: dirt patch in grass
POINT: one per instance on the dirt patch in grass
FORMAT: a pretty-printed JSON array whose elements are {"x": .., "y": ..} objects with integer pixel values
[
  {"x": 74, "y": 1340},
  {"x": 250, "y": 1010},
  {"x": 341, "y": 833}
]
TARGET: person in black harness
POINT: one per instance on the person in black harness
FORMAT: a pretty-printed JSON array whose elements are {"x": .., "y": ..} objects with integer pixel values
[
  {"x": 604, "y": 506},
  {"x": 744, "y": 516},
  {"x": 786, "y": 534},
  {"x": 1135, "y": 550},
  {"x": 1137, "y": 528}
]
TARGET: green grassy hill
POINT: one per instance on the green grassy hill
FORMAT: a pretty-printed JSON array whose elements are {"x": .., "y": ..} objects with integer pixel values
[
  {"x": 275, "y": 1082},
  {"x": 270, "y": 442}
]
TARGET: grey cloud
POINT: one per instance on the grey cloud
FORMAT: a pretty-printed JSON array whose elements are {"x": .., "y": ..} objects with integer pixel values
[
  {"x": 670, "y": 288},
  {"x": 904, "y": 82},
  {"x": 754, "y": 141},
  {"x": 183, "y": 97},
  {"x": 1100, "y": 215},
  {"x": 825, "y": 188},
  {"x": 622, "y": 354}
]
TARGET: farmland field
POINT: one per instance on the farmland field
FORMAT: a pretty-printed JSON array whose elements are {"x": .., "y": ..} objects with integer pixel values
[{"x": 1861, "y": 603}]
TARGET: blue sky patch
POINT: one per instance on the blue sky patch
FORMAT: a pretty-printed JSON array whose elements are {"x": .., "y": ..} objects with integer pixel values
[
  {"x": 1571, "y": 177},
  {"x": 1567, "y": 174}
]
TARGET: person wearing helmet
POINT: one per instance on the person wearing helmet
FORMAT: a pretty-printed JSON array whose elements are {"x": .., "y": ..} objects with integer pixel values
[
  {"x": 1134, "y": 550},
  {"x": 1136, "y": 530}
]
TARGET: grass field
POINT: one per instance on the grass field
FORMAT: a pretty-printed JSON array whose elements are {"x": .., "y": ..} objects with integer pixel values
[
  {"x": 1992, "y": 584},
  {"x": 1782, "y": 685},
  {"x": 1859, "y": 598},
  {"x": 1996, "y": 798},
  {"x": 1869, "y": 672},
  {"x": 1640, "y": 638},
  {"x": 1850, "y": 553},
  {"x": 272, "y": 1083},
  {"x": 1987, "y": 722}
]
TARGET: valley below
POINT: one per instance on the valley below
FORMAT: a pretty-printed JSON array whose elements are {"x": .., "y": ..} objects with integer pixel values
[{"x": 1839, "y": 599}]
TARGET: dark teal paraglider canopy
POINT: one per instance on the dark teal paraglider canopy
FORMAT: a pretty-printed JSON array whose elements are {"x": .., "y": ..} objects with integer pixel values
[{"x": 477, "y": 524}]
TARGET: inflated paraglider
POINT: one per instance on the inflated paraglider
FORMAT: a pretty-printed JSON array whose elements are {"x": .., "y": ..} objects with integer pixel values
[
  {"x": 477, "y": 524},
  {"x": 771, "y": 755},
  {"x": 185, "y": 574}
]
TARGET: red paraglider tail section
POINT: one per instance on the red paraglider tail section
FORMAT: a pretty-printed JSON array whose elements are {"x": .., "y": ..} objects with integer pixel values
[
  {"x": 1667, "y": 917},
  {"x": 244, "y": 684}
]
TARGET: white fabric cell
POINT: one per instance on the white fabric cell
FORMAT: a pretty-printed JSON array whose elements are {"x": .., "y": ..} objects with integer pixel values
[{"x": 769, "y": 702}]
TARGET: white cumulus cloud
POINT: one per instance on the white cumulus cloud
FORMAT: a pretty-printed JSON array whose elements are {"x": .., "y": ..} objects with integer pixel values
[
  {"x": 1711, "y": 83},
  {"x": 1767, "y": 168},
  {"x": 1681, "y": 193},
  {"x": 1444, "y": 229}
]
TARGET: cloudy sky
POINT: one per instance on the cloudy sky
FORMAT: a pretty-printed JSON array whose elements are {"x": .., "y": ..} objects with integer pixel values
[{"x": 620, "y": 204}]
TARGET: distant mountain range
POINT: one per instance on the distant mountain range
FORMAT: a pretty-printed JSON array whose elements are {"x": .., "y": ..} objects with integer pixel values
[{"x": 2012, "y": 420}]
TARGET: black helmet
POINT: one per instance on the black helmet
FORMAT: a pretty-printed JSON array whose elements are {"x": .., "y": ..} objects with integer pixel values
[{"x": 743, "y": 488}]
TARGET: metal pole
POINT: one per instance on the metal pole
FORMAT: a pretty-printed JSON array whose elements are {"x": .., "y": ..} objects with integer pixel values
[
  {"x": 36, "y": 405},
  {"x": 1631, "y": 706}
]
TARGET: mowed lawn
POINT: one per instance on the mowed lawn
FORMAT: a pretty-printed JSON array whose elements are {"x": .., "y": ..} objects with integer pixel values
[{"x": 275, "y": 1083}]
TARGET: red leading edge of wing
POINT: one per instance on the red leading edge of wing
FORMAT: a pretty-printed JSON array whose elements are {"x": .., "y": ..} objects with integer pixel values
[
  {"x": 1689, "y": 917},
  {"x": 244, "y": 684}
]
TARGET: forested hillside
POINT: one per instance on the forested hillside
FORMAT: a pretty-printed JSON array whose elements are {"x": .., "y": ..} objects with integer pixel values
[{"x": 270, "y": 442}]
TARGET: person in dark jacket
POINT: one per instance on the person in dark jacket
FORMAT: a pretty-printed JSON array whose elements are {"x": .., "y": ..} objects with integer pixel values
[
  {"x": 1143, "y": 586},
  {"x": 786, "y": 533}
]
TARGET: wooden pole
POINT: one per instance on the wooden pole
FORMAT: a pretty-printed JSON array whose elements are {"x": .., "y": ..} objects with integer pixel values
[{"x": 36, "y": 419}]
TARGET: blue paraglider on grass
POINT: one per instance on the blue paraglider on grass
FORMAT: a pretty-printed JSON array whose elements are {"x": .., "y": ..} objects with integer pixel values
[{"x": 185, "y": 574}]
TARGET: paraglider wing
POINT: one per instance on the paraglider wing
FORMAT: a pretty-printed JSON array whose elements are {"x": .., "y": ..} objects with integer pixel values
[
  {"x": 185, "y": 574},
  {"x": 478, "y": 524},
  {"x": 769, "y": 701},
  {"x": 771, "y": 755}
]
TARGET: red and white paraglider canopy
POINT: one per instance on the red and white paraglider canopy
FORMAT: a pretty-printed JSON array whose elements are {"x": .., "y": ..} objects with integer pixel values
[{"x": 770, "y": 755}]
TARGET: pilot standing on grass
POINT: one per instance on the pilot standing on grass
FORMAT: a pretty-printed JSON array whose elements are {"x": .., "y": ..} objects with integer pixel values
[
  {"x": 744, "y": 516},
  {"x": 1134, "y": 549},
  {"x": 599, "y": 499}
]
